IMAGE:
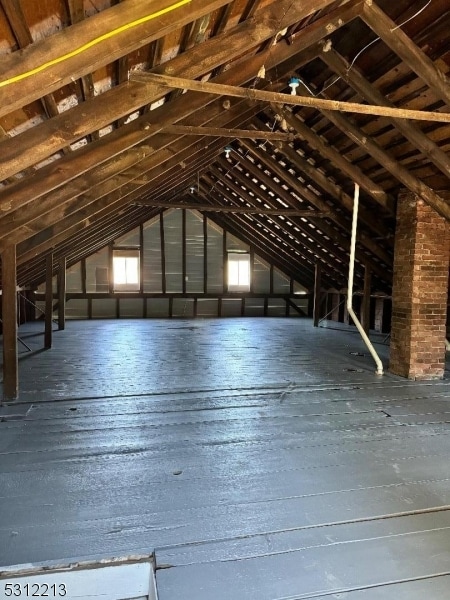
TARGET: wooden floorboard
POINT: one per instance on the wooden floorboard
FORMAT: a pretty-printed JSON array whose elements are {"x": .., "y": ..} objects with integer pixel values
[{"x": 257, "y": 459}]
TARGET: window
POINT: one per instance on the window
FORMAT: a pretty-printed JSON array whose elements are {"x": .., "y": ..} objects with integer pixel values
[
  {"x": 238, "y": 272},
  {"x": 126, "y": 271}
]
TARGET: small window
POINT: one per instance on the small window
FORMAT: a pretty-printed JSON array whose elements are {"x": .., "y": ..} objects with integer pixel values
[
  {"x": 126, "y": 271},
  {"x": 238, "y": 272}
]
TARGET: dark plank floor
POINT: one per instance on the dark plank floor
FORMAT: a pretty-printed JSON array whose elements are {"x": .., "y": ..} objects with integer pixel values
[{"x": 258, "y": 459}]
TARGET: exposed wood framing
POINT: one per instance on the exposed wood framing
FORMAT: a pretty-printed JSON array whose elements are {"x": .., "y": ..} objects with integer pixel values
[
  {"x": 421, "y": 141},
  {"x": 405, "y": 48},
  {"x": 23, "y": 90},
  {"x": 9, "y": 325},
  {"x": 249, "y": 210},
  {"x": 253, "y": 94},
  {"x": 62, "y": 264},
  {"x": 48, "y": 302}
]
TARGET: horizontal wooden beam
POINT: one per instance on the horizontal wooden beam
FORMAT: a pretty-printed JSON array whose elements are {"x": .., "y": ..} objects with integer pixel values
[
  {"x": 261, "y": 95},
  {"x": 222, "y": 132},
  {"x": 247, "y": 210},
  {"x": 105, "y": 295}
]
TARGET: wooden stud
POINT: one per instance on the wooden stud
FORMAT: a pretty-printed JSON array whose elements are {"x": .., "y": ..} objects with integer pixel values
[
  {"x": 224, "y": 262},
  {"x": 183, "y": 249},
  {"x": 252, "y": 269},
  {"x": 317, "y": 294},
  {"x": 48, "y": 301},
  {"x": 9, "y": 318},
  {"x": 62, "y": 293},
  {"x": 84, "y": 276},
  {"x": 365, "y": 305},
  {"x": 205, "y": 254},
  {"x": 163, "y": 252},
  {"x": 141, "y": 258}
]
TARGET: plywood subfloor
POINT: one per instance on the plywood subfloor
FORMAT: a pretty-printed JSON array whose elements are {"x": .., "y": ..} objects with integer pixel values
[{"x": 258, "y": 459}]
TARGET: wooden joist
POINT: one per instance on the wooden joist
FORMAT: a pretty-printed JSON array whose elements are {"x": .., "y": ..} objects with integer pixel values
[{"x": 274, "y": 97}]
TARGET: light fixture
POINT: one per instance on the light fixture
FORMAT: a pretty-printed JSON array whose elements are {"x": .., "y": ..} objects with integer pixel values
[
  {"x": 294, "y": 82},
  {"x": 192, "y": 189},
  {"x": 227, "y": 151}
]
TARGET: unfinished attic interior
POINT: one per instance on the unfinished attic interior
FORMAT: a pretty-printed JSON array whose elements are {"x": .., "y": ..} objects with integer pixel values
[{"x": 169, "y": 172}]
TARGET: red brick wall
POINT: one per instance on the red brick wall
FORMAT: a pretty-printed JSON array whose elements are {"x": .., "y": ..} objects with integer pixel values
[{"x": 420, "y": 288}]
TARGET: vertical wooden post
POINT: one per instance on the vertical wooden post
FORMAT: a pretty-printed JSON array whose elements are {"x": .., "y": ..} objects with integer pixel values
[
  {"x": 163, "y": 252},
  {"x": 48, "y": 301},
  {"x": 365, "y": 306},
  {"x": 84, "y": 276},
  {"x": 141, "y": 261},
  {"x": 184, "y": 249},
  {"x": 205, "y": 255},
  {"x": 224, "y": 263},
  {"x": 9, "y": 317},
  {"x": 252, "y": 269},
  {"x": 62, "y": 293},
  {"x": 317, "y": 294}
]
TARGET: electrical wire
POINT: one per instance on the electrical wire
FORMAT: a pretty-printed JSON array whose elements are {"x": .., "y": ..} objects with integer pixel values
[
  {"x": 350, "y": 67},
  {"x": 94, "y": 42}
]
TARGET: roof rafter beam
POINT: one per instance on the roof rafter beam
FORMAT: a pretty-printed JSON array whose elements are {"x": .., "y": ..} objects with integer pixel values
[
  {"x": 257, "y": 234},
  {"x": 325, "y": 228},
  {"x": 377, "y": 152},
  {"x": 352, "y": 171},
  {"x": 27, "y": 79},
  {"x": 49, "y": 137},
  {"x": 99, "y": 188},
  {"x": 316, "y": 201},
  {"x": 313, "y": 239},
  {"x": 406, "y": 49},
  {"x": 360, "y": 84}
]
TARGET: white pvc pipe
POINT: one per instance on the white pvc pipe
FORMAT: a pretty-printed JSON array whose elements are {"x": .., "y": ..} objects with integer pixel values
[
  {"x": 351, "y": 270},
  {"x": 447, "y": 345}
]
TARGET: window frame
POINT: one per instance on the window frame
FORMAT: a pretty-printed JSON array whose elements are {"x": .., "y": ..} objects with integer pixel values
[
  {"x": 133, "y": 253},
  {"x": 236, "y": 257}
]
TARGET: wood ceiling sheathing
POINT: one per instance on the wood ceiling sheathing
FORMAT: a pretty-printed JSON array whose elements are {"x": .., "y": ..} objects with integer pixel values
[{"x": 75, "y": 158}]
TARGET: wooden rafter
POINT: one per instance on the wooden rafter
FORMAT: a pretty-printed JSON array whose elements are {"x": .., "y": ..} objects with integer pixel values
[
  {"x": 316, "y": 201},
  {"x": 411, "y": 132},
  {"x": 66, "y": 65},
  {"x": 49, "y": 137},
  {"x": 406, "y": 49},
  {"x": 353, "y": 172},
  {"x": 359, "y": 136}
]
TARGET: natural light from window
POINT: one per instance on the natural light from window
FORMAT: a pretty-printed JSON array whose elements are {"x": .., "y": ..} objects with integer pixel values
[
  {"x": 126, "y": 270},
  {"x": 238, "y": 272}
]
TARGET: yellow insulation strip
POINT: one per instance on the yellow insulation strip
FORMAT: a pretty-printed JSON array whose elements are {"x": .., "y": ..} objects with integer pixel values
[{"x": 94, "y": 42}]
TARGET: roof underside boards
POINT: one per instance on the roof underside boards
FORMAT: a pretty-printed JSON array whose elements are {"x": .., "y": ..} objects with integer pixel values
[{"x": 88, "y": 152}]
